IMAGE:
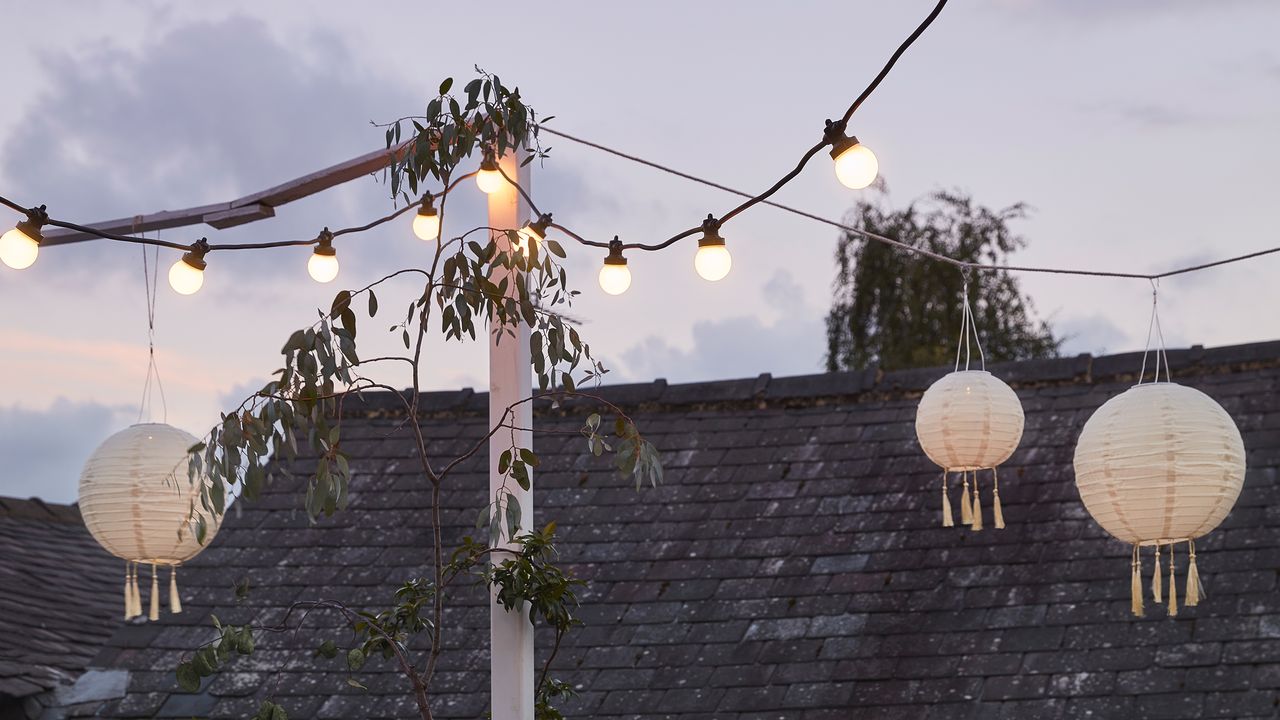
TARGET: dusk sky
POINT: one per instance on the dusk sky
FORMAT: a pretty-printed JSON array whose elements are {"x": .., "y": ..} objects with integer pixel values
[{"x": 1141, "y": 134}]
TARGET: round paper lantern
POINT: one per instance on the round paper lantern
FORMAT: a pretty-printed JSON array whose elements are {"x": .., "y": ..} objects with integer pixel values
[
  {"x": 969, "y": 421},
  {"x": 1160, "y": 464},
  {"x": 136, "y": 501}
]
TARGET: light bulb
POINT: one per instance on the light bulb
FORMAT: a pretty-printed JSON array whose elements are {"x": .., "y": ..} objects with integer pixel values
[
  {"x": 185, "y": 278},
  {"x": 426, "y": 227},
  {"x": 18, "y": 249},
  {"x": 615, "y": 279},
  {"x": 535, "y": 231},
  {"x": 322, "y": 268},
  {"x": 489, "y": 178},
  {"x": 713, "y": 262},
  {"x": 856, "y": 165}
]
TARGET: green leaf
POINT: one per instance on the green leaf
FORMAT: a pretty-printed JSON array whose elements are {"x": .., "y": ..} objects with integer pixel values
[
  {"x": 188, "y": 678},
  {"x": 373, "y": 304},
  {"x": 341, "y": 304},
  {"x": 328, "y": 649},
  {"x": 355, "y": 659},
  {"x": 513, "y": 516},
  {"x": 444, "y": 86}
]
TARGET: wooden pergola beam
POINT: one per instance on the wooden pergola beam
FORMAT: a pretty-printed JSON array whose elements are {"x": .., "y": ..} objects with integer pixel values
[{"x": 250, "y": 208}]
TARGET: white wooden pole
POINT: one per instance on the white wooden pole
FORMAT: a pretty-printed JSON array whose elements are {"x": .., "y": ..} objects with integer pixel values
[{"x": 510, "y": 380}]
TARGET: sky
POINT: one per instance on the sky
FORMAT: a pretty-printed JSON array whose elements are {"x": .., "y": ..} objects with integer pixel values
[{"x": 1139, "y": 132}]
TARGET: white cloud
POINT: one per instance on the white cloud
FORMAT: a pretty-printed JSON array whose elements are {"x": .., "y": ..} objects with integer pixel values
[
  {"x": 45, "y": 450},
  {"x": 791, "y": 342}
]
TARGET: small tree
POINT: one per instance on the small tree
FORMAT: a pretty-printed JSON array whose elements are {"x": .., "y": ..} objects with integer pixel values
[
  {"x": 471, "y": 280},
  {"x": 894, "y": 309}
]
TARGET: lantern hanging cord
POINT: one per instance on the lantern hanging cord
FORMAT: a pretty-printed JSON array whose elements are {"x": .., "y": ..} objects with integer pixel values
[
  {"x": 1154, "y": 324},
  {"x": 968, "y": 327},
  {"x": 151, "y": 285}
]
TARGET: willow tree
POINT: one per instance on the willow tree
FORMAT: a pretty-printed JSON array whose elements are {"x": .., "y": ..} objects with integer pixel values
[{"x": 894, "y": 309}]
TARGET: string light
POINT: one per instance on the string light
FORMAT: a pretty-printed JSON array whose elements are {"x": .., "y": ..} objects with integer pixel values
[
  {"x": 851, "y": 159},
  {"x": 20, "y": 246},
  {"x": 489, "y": 178},
  {"x": 535, "y": 231},
  {"x": 713, "y": 260},
  {"x": 615, "y": 278},
  {"x": 323, "y": 265},
  {"x": 856, "y": 166},
  {"x": 426, "y": 224},
  {"x": 187, "y": 274}
]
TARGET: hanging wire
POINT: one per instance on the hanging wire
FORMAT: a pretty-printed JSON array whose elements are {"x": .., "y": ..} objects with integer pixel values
[
  {"x": 150, "y": 281},
  {"x": 1153, "y": 326},
  {"x": 762, "y": 198},
  {"x": 968, "y": 327}
]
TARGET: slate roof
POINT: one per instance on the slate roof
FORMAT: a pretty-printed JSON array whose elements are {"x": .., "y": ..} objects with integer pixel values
[
  {"x": 791, "y": 566},
  {"x": 59, "y": 596}
]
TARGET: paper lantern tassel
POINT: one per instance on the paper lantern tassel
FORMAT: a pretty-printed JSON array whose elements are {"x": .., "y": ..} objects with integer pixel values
[
  {"x": 947, "y": 519},
  {"x": 135, "y": 596},
  {"x": 175, "y": 602},
  {"x": 128, "y": 595},
  {"x": 155, "y": 594},
  {"x": 1173, "y": 586},
  {"x": 977, "y": 504},
  {"x": 1195, "y": 589},
  {"x": 1135, "y": 583},
  {"x": 966, "y": 510},
  {"x": 1156, "y": 585},
  {"x": 995, "y": 500}
]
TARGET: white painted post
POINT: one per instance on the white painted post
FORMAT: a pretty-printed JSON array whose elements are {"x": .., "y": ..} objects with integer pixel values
[{"x": 510, "y": 380}]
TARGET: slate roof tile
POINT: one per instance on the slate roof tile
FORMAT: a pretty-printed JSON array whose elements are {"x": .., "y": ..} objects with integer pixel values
[
  {"x": 791, "y": 566},
  {"x": 61, "y": 596}
]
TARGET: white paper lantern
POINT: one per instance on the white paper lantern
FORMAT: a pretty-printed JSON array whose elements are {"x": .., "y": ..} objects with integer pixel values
[
  {"x": 1159, "y": 464},
  {"x": 137, "y": 502},
  {"x": 969, "y": 421}
]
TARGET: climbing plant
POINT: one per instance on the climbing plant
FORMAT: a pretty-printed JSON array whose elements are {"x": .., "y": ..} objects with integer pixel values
[{"x": 483, "y": 280}]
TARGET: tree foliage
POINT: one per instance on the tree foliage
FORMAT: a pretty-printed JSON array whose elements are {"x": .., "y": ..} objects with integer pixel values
[
  {"x": 896, "y": 310},
  {"x": 484, "y": 281}
]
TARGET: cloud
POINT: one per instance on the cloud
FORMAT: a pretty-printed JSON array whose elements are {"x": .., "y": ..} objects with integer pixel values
[
  {"x": 1094, "y": 333},
  {"x": 740, "y": 346},
  {"x": 45, "y": 450},
  {"x": 1098, "y": 10},
  {"x": 206, "y": 113}
]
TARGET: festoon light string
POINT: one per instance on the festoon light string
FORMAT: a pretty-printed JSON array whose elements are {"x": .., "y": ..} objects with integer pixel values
[{"x": 22, "y": 243}]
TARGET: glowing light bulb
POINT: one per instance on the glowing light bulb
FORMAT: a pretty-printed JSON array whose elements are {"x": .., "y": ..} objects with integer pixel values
[
  {"x": 18, "y": 249},
  {"x": 186, "y": 276},
  {"x": 323, "y": 265},
  {"x": 856, "y": 165},
  {"x": 527, "y": 234},
  {"x": 489, "y": 178},
  {"x": 615, "y": 278},
  {"x": 535, "y": 231},
  {"x": 322, "y": 268},
  {"x": 426, "y": 226},
  {"x": 713, "y": 260}
]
